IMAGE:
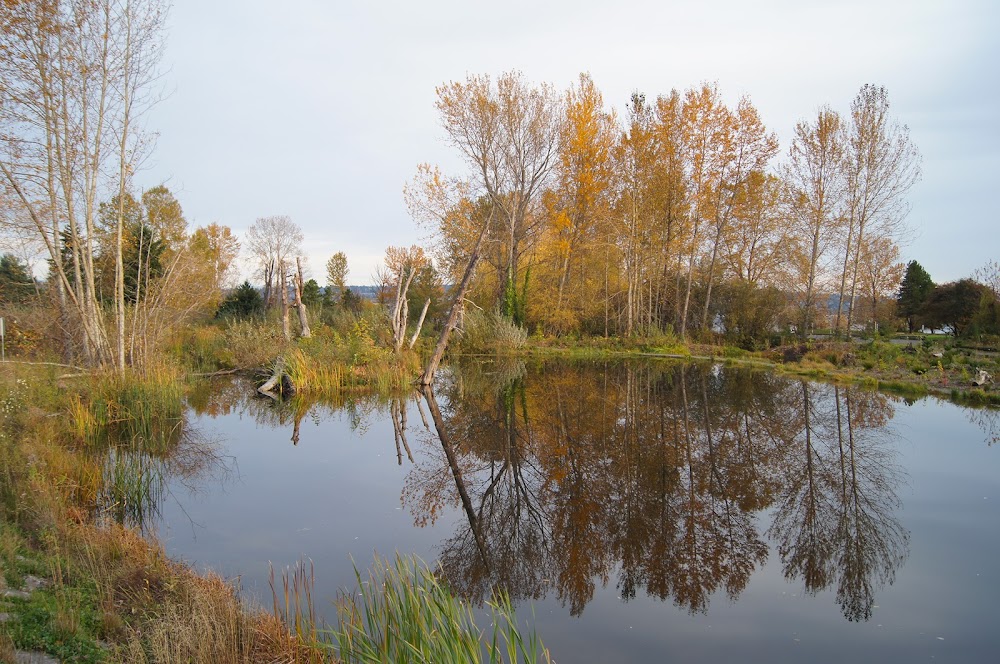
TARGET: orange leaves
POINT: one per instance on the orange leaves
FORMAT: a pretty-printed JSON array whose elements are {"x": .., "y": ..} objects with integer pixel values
[{"x": 402, "y": 260}]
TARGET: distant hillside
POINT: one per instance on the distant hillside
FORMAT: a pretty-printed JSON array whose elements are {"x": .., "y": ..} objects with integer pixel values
[{"x": 366, "y": 292}]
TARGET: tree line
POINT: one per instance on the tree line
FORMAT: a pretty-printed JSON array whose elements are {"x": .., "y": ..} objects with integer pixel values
[
  {"x": 967, "y": 307},
  {"x": 679, "y": 216}
]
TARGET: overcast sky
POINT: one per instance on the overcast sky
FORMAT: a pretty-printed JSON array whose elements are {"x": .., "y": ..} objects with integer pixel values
[{"x": 322, "y": 110}]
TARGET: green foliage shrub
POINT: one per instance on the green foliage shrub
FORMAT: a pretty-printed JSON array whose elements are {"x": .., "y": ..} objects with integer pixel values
[{"x": 491, "y": 333}]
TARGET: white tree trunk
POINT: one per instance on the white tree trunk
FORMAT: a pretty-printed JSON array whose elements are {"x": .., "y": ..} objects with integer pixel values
[{"x": 303, "y": 315}]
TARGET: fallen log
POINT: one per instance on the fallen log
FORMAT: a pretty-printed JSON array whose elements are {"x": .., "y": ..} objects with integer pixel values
[{"x": 278, "y": 379}]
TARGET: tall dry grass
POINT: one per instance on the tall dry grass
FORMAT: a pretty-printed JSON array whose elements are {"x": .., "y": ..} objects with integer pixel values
[
  {"x": 328, "y": 377},
  {"x": 147, "y": 408}
]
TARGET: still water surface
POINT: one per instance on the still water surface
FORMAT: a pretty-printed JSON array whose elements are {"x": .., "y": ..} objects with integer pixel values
[{"x": 643, "y": 511}]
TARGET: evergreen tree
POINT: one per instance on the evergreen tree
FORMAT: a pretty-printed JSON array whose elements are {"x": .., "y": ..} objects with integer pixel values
[
  {"x": 914, "y": 291},
  {"x": 142, "y": 258},
  {"x": 16, "y": 282},
  {"x": 311, "y": 294},
  {"x": 243, "y": 302}
]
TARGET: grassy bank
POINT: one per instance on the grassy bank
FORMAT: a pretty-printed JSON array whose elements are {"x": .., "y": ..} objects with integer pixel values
[
  {"x": 936, "y": 365},
  {"x": 104, "y": 592},
  {"x": 326, "y": 365}
]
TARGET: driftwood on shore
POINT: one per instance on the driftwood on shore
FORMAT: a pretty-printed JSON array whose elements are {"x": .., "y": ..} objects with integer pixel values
[{"x": 279, "y": 379}]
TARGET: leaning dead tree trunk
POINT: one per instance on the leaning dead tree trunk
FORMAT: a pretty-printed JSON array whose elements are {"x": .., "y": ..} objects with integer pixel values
[
  {"x": 303, "y": 315},
  {"x": 456, "y": 470},
  {"x": 427, "y": 377}
]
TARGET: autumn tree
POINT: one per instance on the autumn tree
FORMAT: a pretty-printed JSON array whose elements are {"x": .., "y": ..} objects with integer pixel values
[
  {"x": 881, "y": 165},
  {"x": 576, "y": 206},
  {"x": 336, "y": 275},
  {"x": 881, "y": 273},
  {"x": 671, "y": 203},
  {"x": 635, "y": 159},
  {"x": 507, "y": 132},
  {"x": 814, "y": 176},
  {"x": 218, "y": 247},
  {"x": 746, "y": 148},
  {"x": 988, "y": 318},
  {"x": 705, "y": 125},
  {"x": 756, "y": 248},
  {"x": 171, "y": 277}
]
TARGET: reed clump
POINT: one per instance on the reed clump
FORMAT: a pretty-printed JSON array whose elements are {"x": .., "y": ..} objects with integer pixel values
[
  {"x": 491, "y": 332},
  {"x": 401, "y": 612},
  {"x": 322, "y": 374},
  {"x": 146, "y": 408}
]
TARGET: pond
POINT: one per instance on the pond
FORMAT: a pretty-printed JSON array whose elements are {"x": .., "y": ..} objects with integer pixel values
[{"x": 639, "y": 511}]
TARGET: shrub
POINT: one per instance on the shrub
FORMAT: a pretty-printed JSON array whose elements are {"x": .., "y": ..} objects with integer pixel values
[
  {"x": 491, "y": 332},
  {"x": 254, "y": 343}
]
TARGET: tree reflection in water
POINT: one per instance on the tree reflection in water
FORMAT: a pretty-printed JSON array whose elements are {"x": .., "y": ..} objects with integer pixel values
[
  {"x": 835, "y": 521},
  {"x": 136, "y": 473},
  {"x": 655, "y": 474},
  {"x": 987, "y": 419}
]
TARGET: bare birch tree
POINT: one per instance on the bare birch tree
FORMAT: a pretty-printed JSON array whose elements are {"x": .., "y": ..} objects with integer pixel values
[
  {"x": 272, "y": 242},
  {"x": 74, "y": 78},
  {"x": 881, "y": 166},
  {"x": 814, "y": 176},
  {"x": 508, "y": 134}
]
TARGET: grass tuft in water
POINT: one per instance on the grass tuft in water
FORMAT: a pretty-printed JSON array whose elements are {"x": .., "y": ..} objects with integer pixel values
[{"x": 402, "y": 613}]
